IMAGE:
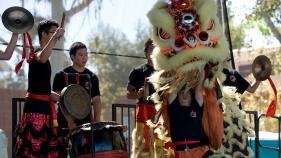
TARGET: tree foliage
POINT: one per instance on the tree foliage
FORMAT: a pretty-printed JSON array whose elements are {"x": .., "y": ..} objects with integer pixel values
[
  {"x": 267, "y": 17},
  {"x": 238, "y": 35},
  {"x": 113, "y": 71}
]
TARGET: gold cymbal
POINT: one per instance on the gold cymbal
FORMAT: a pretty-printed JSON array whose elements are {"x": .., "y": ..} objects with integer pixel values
[
  {"x": 261, "y": 68},
  {"x": 17, "y": 19}
]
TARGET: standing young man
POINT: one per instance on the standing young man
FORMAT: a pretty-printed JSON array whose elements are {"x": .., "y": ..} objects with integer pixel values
[
  {"x": 139, "y": 88},
  {"x": 86, "y": 78},
  {"x": 139, "y": 74},
  {"x": 77, "y": 73},
  {"x": 37, "y": 135}
]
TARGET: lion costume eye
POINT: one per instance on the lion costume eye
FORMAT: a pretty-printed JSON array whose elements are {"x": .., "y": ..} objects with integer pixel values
[
  {"x": 162, "y": 34},
  {"x": 187, "y": 19}
]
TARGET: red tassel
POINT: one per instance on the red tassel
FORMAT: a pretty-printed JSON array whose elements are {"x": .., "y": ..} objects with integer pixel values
[
  {"x": 272, "y": 106},
  {"x": 32, "y": 52},
  {"x": 271, "y": 109},
  {"x": 19, "y": 65}
]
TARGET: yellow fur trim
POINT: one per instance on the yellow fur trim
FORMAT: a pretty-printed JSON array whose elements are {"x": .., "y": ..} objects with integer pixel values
[
  {"x": 206, "y": 10},
  {"x": 160, "y": 18},
  {"x": 162, "y": 62}
]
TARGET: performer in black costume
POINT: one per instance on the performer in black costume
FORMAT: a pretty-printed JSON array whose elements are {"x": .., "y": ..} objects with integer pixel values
[{"x": 37, "y": 134}]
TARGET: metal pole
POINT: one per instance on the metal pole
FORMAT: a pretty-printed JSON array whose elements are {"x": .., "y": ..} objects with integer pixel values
[
  {"x": 14, "y": 124},
  {"x": 228, "y": 33},
  {"x": 279, "y": 138},
  {"x": 257, "y": 127}
]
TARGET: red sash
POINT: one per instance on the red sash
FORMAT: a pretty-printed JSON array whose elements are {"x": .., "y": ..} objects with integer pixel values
[
  {"x": 145, "y": 112},
  {"x": 45, "y": 98},
  {"x": 171, "y": 145}
]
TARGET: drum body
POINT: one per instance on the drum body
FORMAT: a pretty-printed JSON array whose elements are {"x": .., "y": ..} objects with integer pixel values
[{"x": 98, "y": 140}]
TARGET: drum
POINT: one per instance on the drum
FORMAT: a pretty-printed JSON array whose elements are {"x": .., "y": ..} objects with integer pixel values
[
  {"x": 76, "y": 101},
  {"x": 98, "y": 140}
]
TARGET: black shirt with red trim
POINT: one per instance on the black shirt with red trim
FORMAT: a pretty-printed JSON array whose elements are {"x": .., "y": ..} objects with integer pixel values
[
  {"x": 39, "y": 75},
  {"x": 137, "y": 77},
  {"x": 186, "y": 124},
  {"x": 86, "y": 79}
]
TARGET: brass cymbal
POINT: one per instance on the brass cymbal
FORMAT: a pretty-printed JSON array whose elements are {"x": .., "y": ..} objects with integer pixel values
[
  {"x": 17, "y": 19},
  {"x": 76, "y": 100},
  {"x": 261, "y": 68}
]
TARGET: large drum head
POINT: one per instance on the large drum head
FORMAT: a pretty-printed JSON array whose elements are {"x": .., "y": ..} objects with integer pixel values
[{"x": 76, "y": 101}]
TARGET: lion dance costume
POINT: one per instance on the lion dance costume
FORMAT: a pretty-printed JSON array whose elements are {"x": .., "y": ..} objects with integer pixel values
[{"x": 191, "y": 51}]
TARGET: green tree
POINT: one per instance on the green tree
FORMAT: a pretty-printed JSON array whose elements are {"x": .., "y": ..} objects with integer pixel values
[
  {"x": 237, "y": 31},
  {"x": 113, "y": 71},
  {"x": 238, "y": 35},
  {"x": 266, "y": 16}
]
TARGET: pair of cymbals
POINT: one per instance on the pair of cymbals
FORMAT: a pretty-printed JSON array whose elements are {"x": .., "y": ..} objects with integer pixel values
[{"x": 17, "y": 19}]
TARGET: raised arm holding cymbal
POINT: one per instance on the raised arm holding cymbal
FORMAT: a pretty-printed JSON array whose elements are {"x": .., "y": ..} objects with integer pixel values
[{"x": 17, "y": 20}]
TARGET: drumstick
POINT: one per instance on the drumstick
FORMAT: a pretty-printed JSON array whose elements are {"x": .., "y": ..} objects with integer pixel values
[
  {"x": 62, "y": 20},
  {"x": 145, "y": 89}
]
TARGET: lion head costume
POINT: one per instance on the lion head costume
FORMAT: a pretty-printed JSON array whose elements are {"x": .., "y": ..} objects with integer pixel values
[
  {"x": 188, "y": 36},
  {"x": 189, "y": 42}
]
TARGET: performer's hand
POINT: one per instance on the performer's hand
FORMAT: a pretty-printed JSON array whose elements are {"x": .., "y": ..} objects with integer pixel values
[
  {"x": 131, "y": 92},
  {"x": 59, "y": 33},
  {"x": 71, "y": 124},
  {"x": 141, "y": 93},
  {"x": 95, "y": 119},
  {"x": 15, "y": 34},
  {"x": 55, "y": 96}
]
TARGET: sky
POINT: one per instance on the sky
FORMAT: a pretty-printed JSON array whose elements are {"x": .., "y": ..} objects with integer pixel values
[{"x": 123, "y": 15}]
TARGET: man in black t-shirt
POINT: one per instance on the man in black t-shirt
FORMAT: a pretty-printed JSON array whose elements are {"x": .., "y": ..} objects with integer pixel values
[
  {"x": 77, "y": 73},
  {"x": 136, "y": 82},
  {"x": 139, "y": 88},
  {"x": 139, "y": 74}
]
